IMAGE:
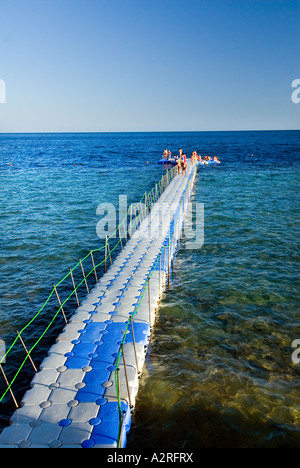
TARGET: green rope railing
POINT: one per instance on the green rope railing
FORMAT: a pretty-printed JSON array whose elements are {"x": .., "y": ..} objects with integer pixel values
[{"x": 149, "y": 198}]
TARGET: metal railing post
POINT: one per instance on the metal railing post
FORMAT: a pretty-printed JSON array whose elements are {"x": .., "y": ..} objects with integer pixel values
[
  {"x": 159, "y": 275},
  {"x": 8, "y": 386},
  {"x": 120, "y": 442},
  {"x": 105, "y": 253},
  {"x": 134, "y": 346},
  {"x": 126, "y": 376},
  {"x": 92, "y": 257},
  {"x": 109, "y": 252},
  {"x": 130, "y": 220},
  {"x": 60, "y": 305},
  {"x": 86, "y": 285},
  {"x": 26, "y": 351},
  {"x": 118, "y": 379},
  {"x": 73, "y": 282},
  {"x": 164, "y": 265},
  {"x": 169, "y": 264},
  {"x": 149, "y": 302},
  {"x": 125, "y": 231},
  {"x": 120, "y": 238}
]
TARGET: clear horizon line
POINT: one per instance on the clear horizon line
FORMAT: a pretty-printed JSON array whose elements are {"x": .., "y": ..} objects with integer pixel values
[{"x": 147, "y": 131}]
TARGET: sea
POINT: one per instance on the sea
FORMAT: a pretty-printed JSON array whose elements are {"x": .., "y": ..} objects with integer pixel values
[{"x": 223, "y": 366}]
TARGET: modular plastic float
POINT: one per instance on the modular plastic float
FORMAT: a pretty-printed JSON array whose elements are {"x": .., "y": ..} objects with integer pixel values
[{"x": 85, "y": 390}]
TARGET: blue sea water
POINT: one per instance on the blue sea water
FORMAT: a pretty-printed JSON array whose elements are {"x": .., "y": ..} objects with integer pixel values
[{"x": 219, "y": 370}]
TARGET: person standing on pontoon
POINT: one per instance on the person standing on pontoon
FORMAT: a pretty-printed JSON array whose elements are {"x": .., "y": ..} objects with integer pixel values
[
  {"x": 184, "y": 164},
  {"x": 179, "y": 164}
]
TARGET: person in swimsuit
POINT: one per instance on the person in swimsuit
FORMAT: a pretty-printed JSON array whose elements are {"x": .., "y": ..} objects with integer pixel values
[
  {"x": 184, "y": 165},
  {"x": 179, "y": 164}
]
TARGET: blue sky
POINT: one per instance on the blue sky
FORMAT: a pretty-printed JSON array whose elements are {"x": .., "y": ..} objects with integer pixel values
[{"x": 149, "y": 65}]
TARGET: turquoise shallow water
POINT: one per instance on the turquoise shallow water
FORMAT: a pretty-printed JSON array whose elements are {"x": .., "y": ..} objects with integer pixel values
[{"x": 219, "y": 369}]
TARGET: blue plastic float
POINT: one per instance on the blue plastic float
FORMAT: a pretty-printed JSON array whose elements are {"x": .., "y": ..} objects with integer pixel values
[
  {"x": 207, "y": 163},
  {"x": 173, "y": 162}
]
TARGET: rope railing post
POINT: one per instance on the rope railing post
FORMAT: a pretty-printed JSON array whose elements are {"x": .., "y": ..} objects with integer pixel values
[
  {"x": 74, "y": 287},
  {"x": 118, "y": 379},
  {"x": 120, "y": 237},
  {"x": 164, "y": 269},
  {"x": 108, "y": 250},
  {"x": 125, "y": 231},
  {"x": 149, "y": 302},
  {"x": 92, "y": 257},
  {"x": 134, "y": 346},
  {"x": 105, "y": 254},
  {"x": 60, "y": 306},
  {"x": 173, "y": 242},
  {"x": 26, "y": 351},
  {"x": 83, "y": 274},
  {"x": 9, "y": 387},
  {"x": 126, "y": 377},
  {"x": 181, "y": 220},
  {"x": 141, "y": 216},
  {"x": 120, "y": 442},
  {"x": 159, "y": 276},
  {"x": 152, "y": 197},
  {"x": 169, "y": 264},
  {"x": 130, "y": 220}
]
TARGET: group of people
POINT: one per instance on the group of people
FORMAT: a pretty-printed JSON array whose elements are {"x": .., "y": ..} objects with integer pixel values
[
  {"x": 181, "y": 162},
  {"x": 167, "y": 155},
  {"x": 198, "y": 158}
]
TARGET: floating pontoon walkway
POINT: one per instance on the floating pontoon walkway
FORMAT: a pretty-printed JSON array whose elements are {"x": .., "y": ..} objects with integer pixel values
[{"x": 86, "y": 388}]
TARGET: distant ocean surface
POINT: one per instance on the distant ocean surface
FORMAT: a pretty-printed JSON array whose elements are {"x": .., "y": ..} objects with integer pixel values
[{"x": 219, "y": 370}]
